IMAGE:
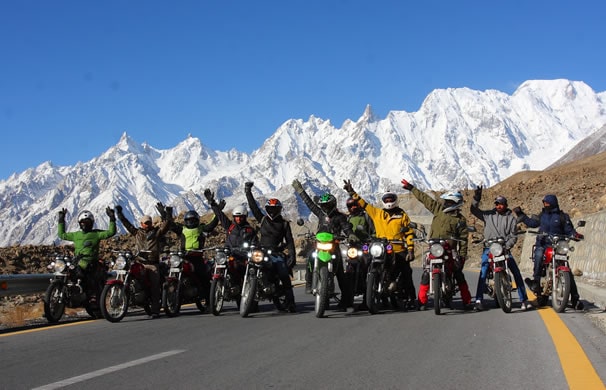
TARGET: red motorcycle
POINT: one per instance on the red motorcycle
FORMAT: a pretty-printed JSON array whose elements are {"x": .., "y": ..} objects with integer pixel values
[
  {"x": 182, "y": 284},
  {"x": 226, "y": 280}
]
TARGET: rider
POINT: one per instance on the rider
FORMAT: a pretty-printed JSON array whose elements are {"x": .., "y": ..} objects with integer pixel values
[
  {"x": 192, "y": 234},
  {"x": 448, "y": 223},
  {"x": 498, "y": 222},
  {"x": 149, "y": 240},
  {"x": 86, "y": 246},
  {"x": 392, "y": 223},
  {"x": 333, "y": 221},
  {"x": 276, "y": 235},
  {"x": 238, "y": 232},
  {"x": 551, "y": 220}
]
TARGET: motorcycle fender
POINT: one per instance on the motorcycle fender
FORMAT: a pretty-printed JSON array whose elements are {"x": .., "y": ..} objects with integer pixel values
[
  {"x": 563, "y": 268},
  {"x": 111, "y": 282},
  {"x": 217, "y": 276},
  {"x": 498, "y": 269},
  {"x": 171, "y": 279},
  {"x": 435, "y": 271}
]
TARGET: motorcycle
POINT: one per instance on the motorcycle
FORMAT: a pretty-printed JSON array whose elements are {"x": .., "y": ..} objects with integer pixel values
[
  {"x": 130, "y": 287},
  {"x": 67, "y": 288},
  {"x": 182, "y": 285},
  {"x": 260, "y": 281},
  {"x": 499, "y": 279},
  {"x": 377, "y": 279},
  {"x": 555, "y": 269},
  {"x": 225, "y": 284},
  {"x": 355, "y": 268}
]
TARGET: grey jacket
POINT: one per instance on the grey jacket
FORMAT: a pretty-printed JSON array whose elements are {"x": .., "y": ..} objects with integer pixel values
[{"x": 497, "y": 225}]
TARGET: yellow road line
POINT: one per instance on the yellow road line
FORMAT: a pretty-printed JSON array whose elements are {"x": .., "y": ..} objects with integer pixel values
[
  {"x": 46, "y": 327},
  {"x": 578, "y": 370}
]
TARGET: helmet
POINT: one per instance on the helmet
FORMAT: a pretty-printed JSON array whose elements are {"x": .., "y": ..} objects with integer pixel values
[
  {"x": 85, "y": 214},
  {"x": 273, "y": 207},
  {"x": 327, "y": 203},
  {"x": 192, "y": 219},
  {"x": 390, "y": 200},
  {"x": 452, "y": 201},
  {"x": 500, "y": 200},
  {"x": 146, "y": 222},
  {"x": 240, "y": 211},
  {"x": 352, "y": 205}
]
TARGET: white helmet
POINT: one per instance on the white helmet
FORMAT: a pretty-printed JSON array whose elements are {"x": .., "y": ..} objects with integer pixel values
[
  {"x": 85, "y": 214},
  {"x": 452, "y": 201},
  {"x": 390, "y": 200},
  {"x": 240, "y": 211}
]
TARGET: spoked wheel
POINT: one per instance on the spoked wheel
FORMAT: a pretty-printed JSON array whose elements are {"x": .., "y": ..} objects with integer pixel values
[
  {"x": 170, "y": 298},
  {"x": 372, "y": 293},
  {"x": 502, "y": 287},
  {"x": 114, "y": 302},
  {"x": 322, "y": 293},
  {"x": 54, "y": 302},
  {"x": 436, "y": 280},
  {"x": 561, "y": 291},
  {"x": 217, "y": 293},
  {"x": 248, "y": 296}
]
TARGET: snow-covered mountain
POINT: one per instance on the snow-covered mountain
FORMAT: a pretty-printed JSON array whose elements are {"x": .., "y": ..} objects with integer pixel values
[{"x": 458, "y": 138}]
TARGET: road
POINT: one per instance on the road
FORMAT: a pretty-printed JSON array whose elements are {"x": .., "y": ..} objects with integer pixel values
[{"x": 391, "y": 350}]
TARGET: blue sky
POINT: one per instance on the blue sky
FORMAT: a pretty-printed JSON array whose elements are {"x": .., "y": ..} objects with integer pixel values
[{"x": 75, "y": 75}]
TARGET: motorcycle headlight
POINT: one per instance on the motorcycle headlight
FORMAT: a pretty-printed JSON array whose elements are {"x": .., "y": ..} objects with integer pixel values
[
  {"x": 352, "y": 253},
  {"x": 257, "y": 256},
  {"x": 221, "y": 258},
  {"x": 120, "y": 263},
  {"x": 562, "y": 248},
  {"x": 324, "y": 246},
  {"x": 59, "y": 265},
  {"x": 175, "y": 261},
  {"x": 496, "y": 249},
  {"x": 437, "y": 250},
  {"x": 376, "y": 249}
]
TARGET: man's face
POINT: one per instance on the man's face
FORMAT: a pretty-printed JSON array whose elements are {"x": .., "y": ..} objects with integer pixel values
[{"x": 501, "y": 207}]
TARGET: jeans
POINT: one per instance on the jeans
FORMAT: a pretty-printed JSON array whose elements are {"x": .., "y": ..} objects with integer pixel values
[{"x": 513, "y": 267}]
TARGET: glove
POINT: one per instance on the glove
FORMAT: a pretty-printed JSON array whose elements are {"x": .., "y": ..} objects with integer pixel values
[
  {"x": 161, "y": 209},
  {"x": 410, "y": 256},
  {"x": 291, "y": 262},
  {"x": 110, "y": 213},
  {"x": 348, "y": 187},
  {"x": 579, "y": 236},
  {"x": 210, "y": 197},
  {"x": 61, "y": 215},
  {"x": 169, "y": 212},
  {"x": 352, "y": 238},
  {"x": 477, "y": 193},
  {"x": 118, "y": 209},
  {"x": 406, "y": 185},
  {"x": 296, "y": 184},
  {"x": 517, "y": 210},
  {"x": 221, "y": 204},
  {"x": 248, "y": 185}
]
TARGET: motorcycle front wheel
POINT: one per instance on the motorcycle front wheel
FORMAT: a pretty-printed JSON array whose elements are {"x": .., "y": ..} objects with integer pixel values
[
  {"x": 54, "y": 302},
  {"x": 561, "y": 291},
  {"x": 248, "y": 296},
  {"x": 322, "y": 294},
  {"x": 217, "y": 293},
  {"x": 170, "y": 298},
  {"x": 372, "y": 294},
  {"x": 114, "y": 302},
  {"x": 436, "y": 280},
  {"x": 502, "y": 288}
]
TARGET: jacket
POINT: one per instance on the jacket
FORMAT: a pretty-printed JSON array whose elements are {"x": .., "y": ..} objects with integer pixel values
[
  {"x": 152, "y": 240},
  {"x": 497, "y": 225}
]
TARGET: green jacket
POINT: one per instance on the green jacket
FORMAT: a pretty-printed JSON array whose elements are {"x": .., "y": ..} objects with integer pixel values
[
  {"x": 445, "y": 225},
  {"x": 86, "y": 244}
]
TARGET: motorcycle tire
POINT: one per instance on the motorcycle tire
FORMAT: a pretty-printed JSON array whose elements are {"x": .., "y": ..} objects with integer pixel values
[
  {"x": 170, "y": 298},
  {"x": 114, "y": 302},
  {"x": 248, "y": 296},
  {"x": 437, "y": 292},
  {"x": 372, "y": 292},
  {"x": 561, "y": 291},
  {"x": 502, "y": 288},
  {"x": 321, "y": 301},
  {"x": 54, "y": 302},
  {"x": 217, "y": 294}
]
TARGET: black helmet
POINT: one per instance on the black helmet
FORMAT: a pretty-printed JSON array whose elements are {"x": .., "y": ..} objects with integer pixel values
[
  {"x": 273, "y": 207},
  {"x": 192, "y": 219},
  {"x": 352, "y": 205},
  {"x": 327, "y": 203}
]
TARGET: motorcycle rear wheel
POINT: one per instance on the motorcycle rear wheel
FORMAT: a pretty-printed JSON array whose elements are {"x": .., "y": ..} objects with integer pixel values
[
  {"x": 561, "y": 291},
  {"x": 114, "y": 302},
  {"x": 502, "y": 287},
  {"x": 54, "y": 302},
  {"x": 170, "y": 298},
  {"x": 217, "y": 294},
  {"x": 372, "y": 294},
  {"x": 248, "y": 296},
  {"x": 322, "y": 293},
  {"x": 437, "y": 292}
]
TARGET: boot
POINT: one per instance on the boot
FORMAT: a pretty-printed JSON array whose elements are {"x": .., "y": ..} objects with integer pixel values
[{"x": 308, "y": 282}]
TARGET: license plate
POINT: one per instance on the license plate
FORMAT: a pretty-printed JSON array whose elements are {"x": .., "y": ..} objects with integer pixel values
[
  {"x": 561, "y": 257},
  {"x": 437, "y": 261},
  {"x": 175, "y": 270},
  {"x": 499, "y": 258}
]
